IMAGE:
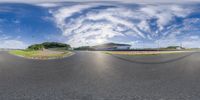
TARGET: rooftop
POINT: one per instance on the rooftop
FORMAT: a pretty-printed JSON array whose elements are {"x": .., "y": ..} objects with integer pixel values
[{"x": 111, "y": 44}]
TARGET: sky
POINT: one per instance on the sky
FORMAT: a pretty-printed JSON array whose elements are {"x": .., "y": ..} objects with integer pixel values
[{"x": 139, "y": 23}]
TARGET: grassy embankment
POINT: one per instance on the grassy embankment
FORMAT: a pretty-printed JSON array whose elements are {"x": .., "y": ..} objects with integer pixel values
[
  {"x": 142, "y": 53},
  {"x": 40, "y": 54}
]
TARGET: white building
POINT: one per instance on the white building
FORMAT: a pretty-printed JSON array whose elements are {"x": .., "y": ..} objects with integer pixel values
[{"x": 112, "y": 46}]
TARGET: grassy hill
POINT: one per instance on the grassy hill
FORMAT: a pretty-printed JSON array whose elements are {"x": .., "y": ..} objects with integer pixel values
[
  {"x": 46, "y": 50},
  {"x": 49, "y": 45}
]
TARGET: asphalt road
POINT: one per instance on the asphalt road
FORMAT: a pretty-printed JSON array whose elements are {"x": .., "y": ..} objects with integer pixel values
[{"x": 98, "y": 76}]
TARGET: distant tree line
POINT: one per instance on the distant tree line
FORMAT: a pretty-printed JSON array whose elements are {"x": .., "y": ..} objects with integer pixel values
[
  {"x": 90, "y": 48},
  {"x": 174, "y": 47},
  {"x": 48, "y": 45},
  {"x": 36, "y": 47}
]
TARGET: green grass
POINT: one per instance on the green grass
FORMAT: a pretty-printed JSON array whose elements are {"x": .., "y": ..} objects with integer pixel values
[
  {"x": 38, "y": 54},
  {"x": 25, "y": 53}
]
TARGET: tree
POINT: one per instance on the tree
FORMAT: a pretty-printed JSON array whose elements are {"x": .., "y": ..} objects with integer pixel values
[
  {"x": 49, "y": 45},
  {"x": 36, "y": 47}
]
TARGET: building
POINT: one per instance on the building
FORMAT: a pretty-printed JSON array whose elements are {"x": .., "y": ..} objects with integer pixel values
[
  {"x": 175, "y": 47},
  {"x": 112, "y": 46}
]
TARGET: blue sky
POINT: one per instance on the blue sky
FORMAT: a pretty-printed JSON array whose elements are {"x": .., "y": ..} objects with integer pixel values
[{"x": 141, "y": 24}]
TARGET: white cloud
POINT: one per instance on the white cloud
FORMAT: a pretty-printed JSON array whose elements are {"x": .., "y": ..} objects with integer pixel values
[
  {"x": 4, "y": 37},
  {"x": 191, "y": 44},
  {"x": 195, "y": 37},
  {"x": 98, "y": 26},
  {"x": 81, "y": 29},
  {"x": 102, "y": 24},
  {"x": 118, "y": 21},
  {"x": 48, "y": 5},
  {"x": 13, "y": 44},
  {"x": 9, "y": 43},
  {"x": 164, "y": 13},
  {"x": 66, "y": 12},
  {"x": 144, "y": 26},
  {"x": 192, "y": 41},
  {"x": 128, "y": 1}
]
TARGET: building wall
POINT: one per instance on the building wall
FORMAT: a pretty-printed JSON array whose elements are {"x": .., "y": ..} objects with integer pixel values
[
  {"x": 115, "y": 48},
  {"x": 123, "y": 48}
]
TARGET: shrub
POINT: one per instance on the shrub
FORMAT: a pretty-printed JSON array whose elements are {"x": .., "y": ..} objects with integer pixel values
[
  {"x": 36, "y": 47},
  {"x": 48, "y": 45},
  {"x": 55, "y": 45}
]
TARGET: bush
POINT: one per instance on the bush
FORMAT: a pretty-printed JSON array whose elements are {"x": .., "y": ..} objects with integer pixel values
[
  {"x": 36, "y": 47},
  {"x": 49, "y": 45}
]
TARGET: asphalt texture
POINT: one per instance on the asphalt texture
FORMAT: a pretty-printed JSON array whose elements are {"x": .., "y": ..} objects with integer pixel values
[{"x": 99, "y": 76}]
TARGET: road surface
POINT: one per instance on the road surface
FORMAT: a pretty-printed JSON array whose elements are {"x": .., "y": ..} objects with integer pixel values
[{"x": 98, "y": 76}]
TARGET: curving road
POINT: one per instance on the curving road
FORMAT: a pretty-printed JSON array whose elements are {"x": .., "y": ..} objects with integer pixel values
[{"x": 98, "y": 76}]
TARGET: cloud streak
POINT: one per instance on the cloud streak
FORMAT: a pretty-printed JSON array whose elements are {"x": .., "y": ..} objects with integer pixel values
[
  {"x": 90, "y": 24},
  {"x": 128, "y": 1}
]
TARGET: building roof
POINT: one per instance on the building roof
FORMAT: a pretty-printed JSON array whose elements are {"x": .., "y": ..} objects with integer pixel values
[{"x": 111, "y": 45}]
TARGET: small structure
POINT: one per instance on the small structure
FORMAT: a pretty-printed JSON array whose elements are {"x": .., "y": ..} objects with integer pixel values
[
  {"x": 112, "y": 46},
  {"x": 175, "y": 47}
]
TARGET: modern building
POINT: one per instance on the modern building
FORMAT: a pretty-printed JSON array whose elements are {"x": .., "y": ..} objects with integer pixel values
[
  {"x": 112, "y": 46},
  {"x": 175, "y": 47}
]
